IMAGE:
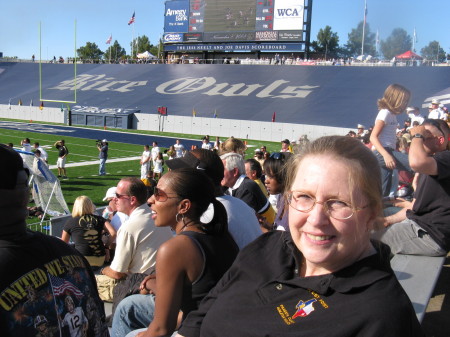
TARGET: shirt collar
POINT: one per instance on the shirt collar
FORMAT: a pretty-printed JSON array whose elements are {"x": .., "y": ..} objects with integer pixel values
[
  {"x": 358, "y": 275},
  {"x": 237, "y": 183}
]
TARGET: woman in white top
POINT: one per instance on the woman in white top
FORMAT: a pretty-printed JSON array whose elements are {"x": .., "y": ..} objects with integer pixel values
[
  {"x": 383, "y": 137},
  {"x": 158, "y": 166}
]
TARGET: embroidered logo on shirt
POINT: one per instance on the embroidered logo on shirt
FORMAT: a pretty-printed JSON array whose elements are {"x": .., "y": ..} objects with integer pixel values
[{"x": 304, "y": 308}]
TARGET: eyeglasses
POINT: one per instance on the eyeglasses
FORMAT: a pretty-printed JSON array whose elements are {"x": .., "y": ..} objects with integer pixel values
[
  {"x": 162, "y": 196},
  {"x": 120, "y": 196},
  {"x": 434, "y": 123},
  {"x": 335, "y": 208}
]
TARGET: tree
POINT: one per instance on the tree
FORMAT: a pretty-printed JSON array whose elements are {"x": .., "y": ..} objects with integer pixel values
[
  {"x": 397, "y": 43},
  {"x": 354, "y": 43},
  {"x": 89, "y": 52},
  {"x": 433, "y": 51},
  {"x": 327, "y": 42},
  {"x": 141, "y": 44},
  {"x": 115, "y": 52}
]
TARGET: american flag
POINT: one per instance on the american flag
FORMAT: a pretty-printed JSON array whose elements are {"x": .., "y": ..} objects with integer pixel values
[
  {"x": 131, "y": 20},
  {"x": 109, "y": 39},
  {"x": 59, "y": 287}
]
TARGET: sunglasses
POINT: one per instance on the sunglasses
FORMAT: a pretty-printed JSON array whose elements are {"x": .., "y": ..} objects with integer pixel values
[
  {"x": 435, "y": 123},
  {"x": 162, "y": 196},
  {"x": 124, "y": 196}
]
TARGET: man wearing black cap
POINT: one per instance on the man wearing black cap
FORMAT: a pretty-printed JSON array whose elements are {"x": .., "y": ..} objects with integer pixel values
[
  {"x": 242, "y": 221},
  {"x": 103, "y": 155},
  {"x": 285, "y": 145},
  {"x": 37, "y": 271}
]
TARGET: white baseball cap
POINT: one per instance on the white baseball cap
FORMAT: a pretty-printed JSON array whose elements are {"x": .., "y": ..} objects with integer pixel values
[{"x": 111, "y": 193}]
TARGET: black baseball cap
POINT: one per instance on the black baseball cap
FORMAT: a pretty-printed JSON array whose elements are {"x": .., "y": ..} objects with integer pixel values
[{"x": 11, "y": 165}]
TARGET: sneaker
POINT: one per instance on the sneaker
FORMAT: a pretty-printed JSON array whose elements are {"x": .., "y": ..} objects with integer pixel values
[
  {"x": 59, "y": 176},
  {"x": 65, "y": 177}
]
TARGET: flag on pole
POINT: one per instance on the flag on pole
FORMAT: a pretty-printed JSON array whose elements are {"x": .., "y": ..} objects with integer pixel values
[
  {"x": 41, "y": 107},
  {"x": 365, "y": 12},
  {"x": 109, "y": 39},
  {"x": 194, "y": 113},
  {"x": 274, "y": 116},
  {"x": 131, "y": 20},
  {"x": 60, "y": 286}
]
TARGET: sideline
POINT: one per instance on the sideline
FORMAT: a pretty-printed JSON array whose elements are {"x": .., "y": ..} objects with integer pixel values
[{"x": 96, "y": 162}]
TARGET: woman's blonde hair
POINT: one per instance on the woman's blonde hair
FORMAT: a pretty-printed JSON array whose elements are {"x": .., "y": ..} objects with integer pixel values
[
  {"x": 395, "y": 99},
  {"x": 83, "y": 205},
  {"x": 364, "y": 172},
  {"x": 232, "y": 145}
]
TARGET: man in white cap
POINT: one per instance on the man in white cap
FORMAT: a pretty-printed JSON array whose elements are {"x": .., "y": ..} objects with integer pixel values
[
  {"x": 415, "y": 115},
  {"x": 361, "y": 132},
  {"x": 103, "y": 155},
  {"x": 436, "y": 112},
  {"x": 113, "y": 216},
  {"x": 110, "y": 213}
]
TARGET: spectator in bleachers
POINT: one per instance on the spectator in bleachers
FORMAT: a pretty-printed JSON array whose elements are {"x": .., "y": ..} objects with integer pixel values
[
  {"x": 137, "y": 239},
  {"x": 326, "y": 269},
  {"x": 233, "y": 145},
  {"x": 238, "y": 185},
  {"x": 242, "y": 221},
  {"x": 275, "y": 168},
  {"x": 422, "y": 227},
  {"x": 188, "y": 265},
  {"x": 85, "y": 228},
  {"x": 253, "y": 170},
  {"x": 44, "y": 268},
  {"x": 383, "y": 137}
]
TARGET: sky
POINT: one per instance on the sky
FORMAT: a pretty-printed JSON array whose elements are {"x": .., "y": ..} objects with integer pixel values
[{"x": 96, "y": 20}]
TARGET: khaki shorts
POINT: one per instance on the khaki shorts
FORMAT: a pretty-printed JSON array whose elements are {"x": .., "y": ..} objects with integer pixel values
[{"x": 105, "y": 286}]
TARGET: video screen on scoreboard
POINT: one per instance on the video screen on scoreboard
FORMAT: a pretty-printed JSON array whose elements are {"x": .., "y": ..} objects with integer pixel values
[{"x": 234, "y": 20}]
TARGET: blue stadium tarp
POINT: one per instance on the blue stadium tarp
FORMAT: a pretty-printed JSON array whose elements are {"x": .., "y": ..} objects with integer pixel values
[{"x": 329, "y": 96}]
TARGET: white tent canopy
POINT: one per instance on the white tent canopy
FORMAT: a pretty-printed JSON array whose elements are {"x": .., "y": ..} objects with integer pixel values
[{"x": 146, "y": 55}]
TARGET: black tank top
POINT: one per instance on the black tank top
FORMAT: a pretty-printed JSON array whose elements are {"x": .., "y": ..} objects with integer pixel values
[{"x": 218, "y": 253}]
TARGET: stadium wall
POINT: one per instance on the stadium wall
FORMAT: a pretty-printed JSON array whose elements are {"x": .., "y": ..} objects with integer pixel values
[{"x": 244, "y": 129}]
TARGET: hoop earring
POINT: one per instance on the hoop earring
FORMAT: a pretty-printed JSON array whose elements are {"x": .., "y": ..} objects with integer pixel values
[{"x": 182, "y": 217}]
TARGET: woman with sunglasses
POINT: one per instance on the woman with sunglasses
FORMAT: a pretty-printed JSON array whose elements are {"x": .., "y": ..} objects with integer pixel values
[
  {"x": 384, "y": 139},
  {"x": 323, "y": 278},
  {"x": 188, "y": 265}
]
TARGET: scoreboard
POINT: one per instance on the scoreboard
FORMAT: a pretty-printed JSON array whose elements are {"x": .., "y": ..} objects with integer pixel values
[{"x": 210, "y": 22}]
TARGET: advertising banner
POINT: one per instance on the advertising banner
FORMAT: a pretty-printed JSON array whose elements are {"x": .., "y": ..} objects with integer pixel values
[
  {"x": 287, "y": 35},
  {"x": 237, "y": 47},
  {"x": 173, "y": 37},
  {"x": 176, "y": 16},
  {"x": 193, "y": 37},
  {"x": 288, "y": 15}
]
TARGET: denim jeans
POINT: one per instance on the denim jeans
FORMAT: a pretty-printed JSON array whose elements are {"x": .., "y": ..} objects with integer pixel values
[
  {"x": 387, "y": 175},
  {"x": 133, "y": 312},
  {"x": 102, "y": 168},
  {"x": 407, "y": 237}
]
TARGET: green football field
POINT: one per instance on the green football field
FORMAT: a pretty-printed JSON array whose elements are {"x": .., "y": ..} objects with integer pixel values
[{"x": 82, "y": 162}]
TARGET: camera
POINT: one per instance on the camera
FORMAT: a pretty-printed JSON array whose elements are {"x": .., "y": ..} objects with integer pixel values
[{"x": 98, "y": 142}]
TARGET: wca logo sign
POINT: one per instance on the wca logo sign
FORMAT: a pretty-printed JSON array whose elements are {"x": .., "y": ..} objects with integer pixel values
[{"x": 289, "y": 12}]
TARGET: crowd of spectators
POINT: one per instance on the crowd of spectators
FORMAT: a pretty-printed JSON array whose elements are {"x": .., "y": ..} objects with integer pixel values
[{"x": 289, "y": 233}]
